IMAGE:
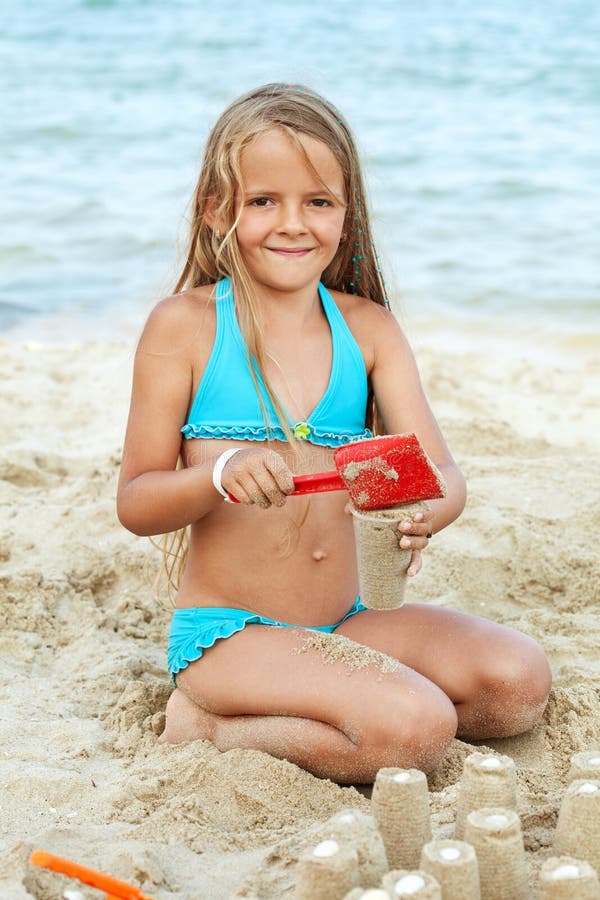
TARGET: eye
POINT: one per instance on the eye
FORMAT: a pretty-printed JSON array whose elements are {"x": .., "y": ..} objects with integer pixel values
[
  {"x": 321, "y": 202},
  {"x": 259, "y": 201}
]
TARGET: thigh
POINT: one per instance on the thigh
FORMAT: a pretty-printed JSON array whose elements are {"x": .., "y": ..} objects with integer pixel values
[
  {"x": 266, "y": 670},
  {"x": 448, "y": 647}
]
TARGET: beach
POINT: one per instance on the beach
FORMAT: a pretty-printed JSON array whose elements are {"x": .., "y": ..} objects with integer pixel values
[{"x": 83, "y": 678}]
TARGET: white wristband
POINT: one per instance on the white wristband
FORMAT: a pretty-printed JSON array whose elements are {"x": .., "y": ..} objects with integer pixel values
[{"x": 218, "y": 471}]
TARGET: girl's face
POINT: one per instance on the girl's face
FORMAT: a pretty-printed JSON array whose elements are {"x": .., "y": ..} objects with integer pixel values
[{"x": 290, "y": 225}]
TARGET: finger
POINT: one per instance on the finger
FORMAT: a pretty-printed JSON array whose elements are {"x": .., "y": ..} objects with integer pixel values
[
  {"x": 413, "y": 542},
  {"x": 266, "y": 487},
  {"x": 240, "y": 493},
  {"x": 424, "y": 515},
  {"x": 420, "y": 529},
  {"x": 240, "y": 482},
  {"x": 251, "y": 482},
  {"x": 282, "y": 475},
  {"x": 415, "y": 563}
]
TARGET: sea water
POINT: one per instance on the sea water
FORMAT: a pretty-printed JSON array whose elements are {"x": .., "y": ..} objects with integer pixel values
[{"x": 479, "y": 126}]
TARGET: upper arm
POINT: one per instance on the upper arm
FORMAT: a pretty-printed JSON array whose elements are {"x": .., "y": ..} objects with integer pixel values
[
  {"x": 163, "y": 378},
  {"x": 398, "y": 389}
]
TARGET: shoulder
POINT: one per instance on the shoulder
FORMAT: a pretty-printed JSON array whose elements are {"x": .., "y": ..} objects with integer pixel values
[
  {"x": 374, "y": 327},
  {"x": 180, "y": 321}
]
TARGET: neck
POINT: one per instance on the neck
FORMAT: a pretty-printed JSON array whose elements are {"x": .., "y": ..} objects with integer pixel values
[{"x": 289, "y": 309}]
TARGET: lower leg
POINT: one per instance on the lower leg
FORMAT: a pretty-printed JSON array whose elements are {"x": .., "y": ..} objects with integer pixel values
[
  {"x": 315, "y": 746},
  {"x": 321, "y": 749},
  {"x": 497, "y": 714}
]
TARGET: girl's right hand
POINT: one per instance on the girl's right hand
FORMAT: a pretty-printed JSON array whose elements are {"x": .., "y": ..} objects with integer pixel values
[{"x": 258, "y": 476}]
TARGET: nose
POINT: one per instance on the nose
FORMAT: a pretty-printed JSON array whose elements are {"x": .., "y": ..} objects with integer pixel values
[{"x": 291, "y": 219}]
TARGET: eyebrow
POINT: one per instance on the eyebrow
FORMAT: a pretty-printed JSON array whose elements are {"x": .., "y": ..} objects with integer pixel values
[
  {"x": 260, "y": 192},
  {"x": 267, "y": 190}
]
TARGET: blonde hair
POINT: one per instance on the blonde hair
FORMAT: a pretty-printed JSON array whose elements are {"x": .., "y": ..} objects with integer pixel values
[{"x": 213, "y": 253}]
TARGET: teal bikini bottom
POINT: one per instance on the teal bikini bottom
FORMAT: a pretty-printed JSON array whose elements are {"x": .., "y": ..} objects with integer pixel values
[{"x": 195, "y": 629}]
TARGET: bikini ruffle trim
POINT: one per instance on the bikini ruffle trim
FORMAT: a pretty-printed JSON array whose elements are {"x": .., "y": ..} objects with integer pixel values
[
  {"x": 186, "y": 650},
  {"x": 248, "y": 433}
]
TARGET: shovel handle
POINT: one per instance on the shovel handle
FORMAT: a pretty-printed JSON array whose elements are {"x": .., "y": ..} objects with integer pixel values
[
  {"x": 113, "y": 888},
  {"x": 316, "y": 483}
]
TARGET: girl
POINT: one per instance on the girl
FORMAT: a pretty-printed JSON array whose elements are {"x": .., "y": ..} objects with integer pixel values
[{"x": 277, "y": 347}]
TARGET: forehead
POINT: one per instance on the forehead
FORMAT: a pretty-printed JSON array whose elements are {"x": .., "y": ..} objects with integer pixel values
[{"x": 274, "y": 154}]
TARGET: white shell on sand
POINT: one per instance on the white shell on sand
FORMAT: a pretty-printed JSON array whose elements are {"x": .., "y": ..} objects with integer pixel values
[
  {"x": 497, "y": 820},
  {"x": 490, "y": 762},
  {"x": 450, "y": 853},
  {"x": 409, "y": 884},
  {"x": 588, "y": 788},
  {"x": 326, "y": 849},
  {"x": 566, "y": 871}
]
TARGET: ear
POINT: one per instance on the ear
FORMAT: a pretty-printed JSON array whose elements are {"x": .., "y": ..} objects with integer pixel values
[{"x": 210, "y": 213}]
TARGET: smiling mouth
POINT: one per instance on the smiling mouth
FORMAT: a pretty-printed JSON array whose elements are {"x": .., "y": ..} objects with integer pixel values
[{"x": 291, "y": 251}]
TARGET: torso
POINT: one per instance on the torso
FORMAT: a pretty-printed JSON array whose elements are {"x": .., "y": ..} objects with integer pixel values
[{"x": 295, "y": 564}]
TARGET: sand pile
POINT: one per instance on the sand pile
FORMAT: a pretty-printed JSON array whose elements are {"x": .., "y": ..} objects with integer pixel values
[{"x": 83, "y": 640}]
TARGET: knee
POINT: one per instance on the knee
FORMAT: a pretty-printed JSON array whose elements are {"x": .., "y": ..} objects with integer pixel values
[
  {"x": 416, "y": 735},
  {"x": 519, "y": 680},
  {"x": 429, "y": 732}
]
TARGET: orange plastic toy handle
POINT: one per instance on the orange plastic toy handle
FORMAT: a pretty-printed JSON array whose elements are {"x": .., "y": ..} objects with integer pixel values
[{"x": 115, "y": 890}]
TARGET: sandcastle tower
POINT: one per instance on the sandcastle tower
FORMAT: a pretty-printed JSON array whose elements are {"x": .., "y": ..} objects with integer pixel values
[
  {"x": 454, "y": 865},
  {"x": 495, "y": 834},
  {"x": 578, "y": 827},
  {"x": 416, "y": 883},
  {"x": 565, "y": 878},
  {"x": 488, "y": 779},
  {"x": 358, "y": 830},
  {"x": 326, "y": 872},
  {"x": 400, "y": 804},
  {"x": 585, "y": 765},
  {"x": 382, "y": 564}
]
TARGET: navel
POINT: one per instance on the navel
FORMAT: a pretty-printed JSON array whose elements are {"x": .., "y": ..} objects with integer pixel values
[{"x": 318, "y": 555}]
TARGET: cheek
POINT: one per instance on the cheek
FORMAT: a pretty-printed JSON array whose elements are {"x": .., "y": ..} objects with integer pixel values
[
  {"x": 334, "y": 227},
  {"x": 246, "y": 231}
]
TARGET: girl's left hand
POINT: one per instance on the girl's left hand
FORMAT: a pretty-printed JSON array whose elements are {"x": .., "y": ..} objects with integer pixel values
[{"x": 414, "y": 534}]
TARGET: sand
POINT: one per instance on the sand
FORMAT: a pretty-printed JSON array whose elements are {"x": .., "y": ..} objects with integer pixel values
[{"x": 83, "y": 640}]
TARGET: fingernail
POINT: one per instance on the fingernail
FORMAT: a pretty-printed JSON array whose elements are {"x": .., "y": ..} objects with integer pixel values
[
  {"x": 419, "y": 517},
  {"x": 405, "y": 526},
  {"x": 405, "y": 543}
]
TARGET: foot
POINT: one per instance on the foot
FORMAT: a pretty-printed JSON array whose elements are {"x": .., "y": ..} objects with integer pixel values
[{"x": 186, "y": 721}]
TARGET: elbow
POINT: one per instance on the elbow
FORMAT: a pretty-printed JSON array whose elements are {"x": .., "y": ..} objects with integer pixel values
[
  {"x": 461, "y": 493},
  {"x": 128, "y": 521},
  {"x": 129, "y": 517},
  {"x": 456, "y": 491}
]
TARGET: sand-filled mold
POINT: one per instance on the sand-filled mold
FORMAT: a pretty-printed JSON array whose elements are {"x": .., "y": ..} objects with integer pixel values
[{"x": 382, "y": 563}]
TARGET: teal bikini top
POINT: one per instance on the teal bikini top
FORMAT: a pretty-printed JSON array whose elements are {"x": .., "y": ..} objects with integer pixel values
[{"x": 226, "y": 404}]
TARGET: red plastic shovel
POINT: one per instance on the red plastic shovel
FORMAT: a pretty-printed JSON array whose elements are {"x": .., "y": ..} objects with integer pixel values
[{"x": 378, "y": 472}]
